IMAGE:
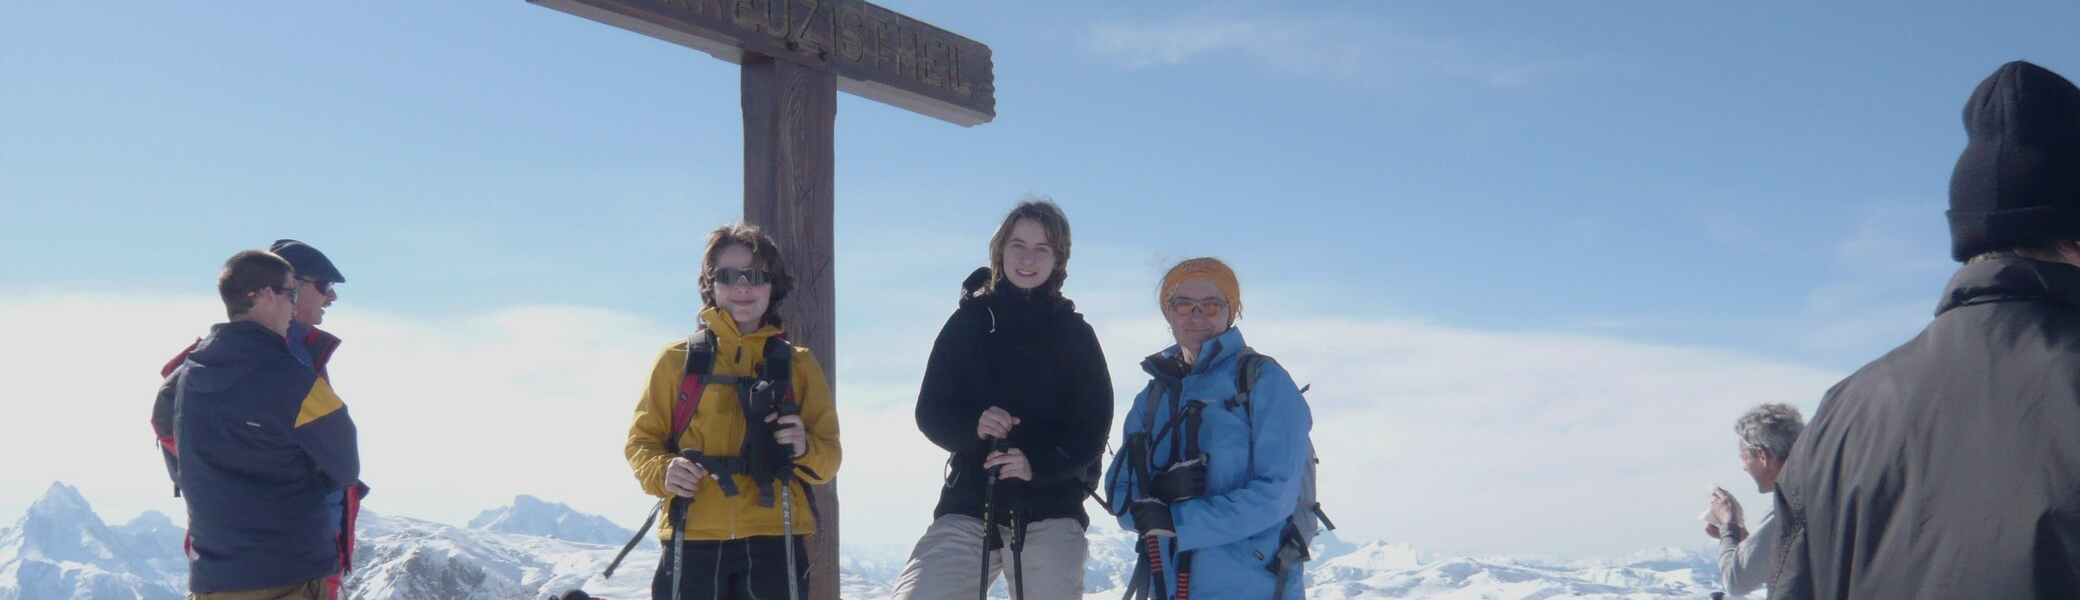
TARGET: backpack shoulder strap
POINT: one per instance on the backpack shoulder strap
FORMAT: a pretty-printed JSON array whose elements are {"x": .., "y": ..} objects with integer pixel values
[
  {"x": 1248, "y": 365},
  {"x": 777, "y": 365},
  {"x": 700, "y": 364}
]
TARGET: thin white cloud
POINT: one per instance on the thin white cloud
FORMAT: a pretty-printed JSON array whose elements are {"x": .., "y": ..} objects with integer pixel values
[
  {"x": 1894, "y": 263},
  {"x": 1442, "y": 437},
  {"x": 1344, "y": 48}
]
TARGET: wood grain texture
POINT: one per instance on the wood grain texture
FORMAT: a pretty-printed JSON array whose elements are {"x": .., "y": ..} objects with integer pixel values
[
  {"x": 790, "y": 112},
  {"x": 877, "y": 53}
]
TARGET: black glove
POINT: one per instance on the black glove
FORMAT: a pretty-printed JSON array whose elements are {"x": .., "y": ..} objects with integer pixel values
[
  {"x": 1182, "y": 481},
  {"x": 1152, "y": 517}
]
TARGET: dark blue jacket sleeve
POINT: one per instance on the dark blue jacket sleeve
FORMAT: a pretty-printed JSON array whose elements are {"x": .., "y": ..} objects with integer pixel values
[{"x": 327, "y": 434}]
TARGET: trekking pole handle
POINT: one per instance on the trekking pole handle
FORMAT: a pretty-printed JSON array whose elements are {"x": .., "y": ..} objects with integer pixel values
[
  {"x": 996, "y": 444},
  {"x": 676, "y": 511}
]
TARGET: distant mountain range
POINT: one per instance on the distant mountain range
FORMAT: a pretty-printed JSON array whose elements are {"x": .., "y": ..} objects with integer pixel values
[{"x": 532, "y": 549}]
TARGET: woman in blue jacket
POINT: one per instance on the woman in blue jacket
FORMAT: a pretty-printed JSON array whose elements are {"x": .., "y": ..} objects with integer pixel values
[{"x": 1206, "y": 480}]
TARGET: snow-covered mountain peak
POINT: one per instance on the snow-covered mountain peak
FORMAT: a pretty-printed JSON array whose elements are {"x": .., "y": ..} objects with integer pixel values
[
  {"x": 151, "y": 519},
  {"x": 1377, "y": 555},
  {"x": 528, "y": 515},
  {"x": 61, "y": 503},
  {"x": 61, "y": 549}
]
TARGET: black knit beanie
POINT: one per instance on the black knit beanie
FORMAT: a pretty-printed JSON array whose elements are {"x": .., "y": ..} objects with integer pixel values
[{"x": 2018, "y": 181}]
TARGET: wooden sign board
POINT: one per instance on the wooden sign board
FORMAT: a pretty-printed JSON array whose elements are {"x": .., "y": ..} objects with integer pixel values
[{"x": 875, "y": 52}]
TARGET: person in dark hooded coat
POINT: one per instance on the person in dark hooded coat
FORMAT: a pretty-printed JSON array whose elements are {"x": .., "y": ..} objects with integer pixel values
[
  {"x": 1950, "y": 467},
  {"x": 1015, "y": 363}
]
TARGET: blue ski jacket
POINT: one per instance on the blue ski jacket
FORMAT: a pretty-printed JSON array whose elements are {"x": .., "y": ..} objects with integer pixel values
[
  {"x": 1256, "y": 456},
  {"x": 262, "y": 441}
]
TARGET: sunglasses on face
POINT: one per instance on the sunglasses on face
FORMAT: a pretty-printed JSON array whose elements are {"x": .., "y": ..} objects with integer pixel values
[
  {"x": 1212, "y": 307},
  {"x": 279, "y": 290},
  {"x": 734, "y": 276},
  {"x": 323, "y": 286}
]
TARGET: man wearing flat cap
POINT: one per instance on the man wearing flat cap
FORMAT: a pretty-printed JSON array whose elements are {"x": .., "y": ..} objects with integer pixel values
[
  {"x": 1950, "y": 468},
  {"x": 315, "y": 281}
]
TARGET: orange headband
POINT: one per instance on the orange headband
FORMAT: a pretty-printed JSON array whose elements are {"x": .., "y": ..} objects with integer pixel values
[{"x": 1213, "y": 270}]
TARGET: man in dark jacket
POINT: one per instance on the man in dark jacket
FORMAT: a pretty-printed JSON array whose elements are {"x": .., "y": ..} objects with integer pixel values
[
  {"x": 316, "y": 286},
  {"x": 263, "y": 440},
  {"x": 1950, "y": 468}
]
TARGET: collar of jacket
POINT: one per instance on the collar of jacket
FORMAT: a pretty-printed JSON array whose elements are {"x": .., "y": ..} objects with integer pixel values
[
  {"x": 2005, "y": 279},
  {"x": 1215, "y": 353},
  {"x": 725, "y": 328},
  {"x": 231, "y": 351},
  {"x": 1008, "y": 303},
  {"x": 321, "y": 343}
]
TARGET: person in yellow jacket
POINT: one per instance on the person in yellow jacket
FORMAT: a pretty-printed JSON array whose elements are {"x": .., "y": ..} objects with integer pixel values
[{"x": 735, "y": 544}]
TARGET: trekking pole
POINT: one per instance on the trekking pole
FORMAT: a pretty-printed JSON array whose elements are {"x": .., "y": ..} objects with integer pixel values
[
  {"x": 1018, "y": 551},
  {"x": 989, "y": 526},
  {"x": 678, "y": 520},
  {"x": 794, "y": 591},
  {"x": 787, "y": 521},
  {"x": 631, "y": 545}
]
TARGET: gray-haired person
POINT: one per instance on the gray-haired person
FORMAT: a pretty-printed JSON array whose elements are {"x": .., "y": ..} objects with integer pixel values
[{"x": 1747, "y": 556}]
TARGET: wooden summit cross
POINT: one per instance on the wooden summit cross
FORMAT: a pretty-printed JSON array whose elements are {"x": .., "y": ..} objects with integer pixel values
[{"x": 796, "y": 55}]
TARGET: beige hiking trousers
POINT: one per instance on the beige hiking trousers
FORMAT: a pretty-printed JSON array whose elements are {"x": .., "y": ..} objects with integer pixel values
[{"x": 947, "y": 563}]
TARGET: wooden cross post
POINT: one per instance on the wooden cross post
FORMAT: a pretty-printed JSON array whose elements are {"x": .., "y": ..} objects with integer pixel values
[{"x": 796, "y": 56}]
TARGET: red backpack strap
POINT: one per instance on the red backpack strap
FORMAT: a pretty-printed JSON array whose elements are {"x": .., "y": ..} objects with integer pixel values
[
  {"x": 167, "y": 371},
  {"x": 700, "y": 365}
]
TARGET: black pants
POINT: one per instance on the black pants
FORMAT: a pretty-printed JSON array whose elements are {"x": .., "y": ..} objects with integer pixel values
[{"x": 752, "y": 568}]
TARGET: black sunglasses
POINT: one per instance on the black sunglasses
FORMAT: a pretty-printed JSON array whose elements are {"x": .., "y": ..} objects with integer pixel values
[
  {"x": 733, "y": 276},
  {"x": 323, "y": 286},
  {"x": 278, "y": 290}
]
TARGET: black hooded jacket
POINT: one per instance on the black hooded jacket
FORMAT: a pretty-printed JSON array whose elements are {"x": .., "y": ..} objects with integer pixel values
[
  {"x": 1949, "y": 468},
  {"x": 1032, "y": 355}
]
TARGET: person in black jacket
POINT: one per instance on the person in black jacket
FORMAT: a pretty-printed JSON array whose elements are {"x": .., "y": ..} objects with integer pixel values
[
  {"x": 1018, "y": 369},
  {"x": 1950, "y": 468}
]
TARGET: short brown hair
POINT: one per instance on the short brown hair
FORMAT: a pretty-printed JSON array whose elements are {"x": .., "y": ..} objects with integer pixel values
[
  {"x": 1049, "y": 217},
  {"x": 765, "y": 254},
  {"x": 247, "y": 272}
]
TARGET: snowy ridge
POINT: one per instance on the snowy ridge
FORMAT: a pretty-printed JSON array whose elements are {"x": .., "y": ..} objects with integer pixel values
[
  {"x": 62, "y": 551},
  {"x": 399, "y": 558},
  {"x": 529, "y": 515}
]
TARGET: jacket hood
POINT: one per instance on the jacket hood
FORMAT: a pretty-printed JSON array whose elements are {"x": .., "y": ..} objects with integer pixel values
[
  {"x": 725, "y": 328},
  {"x": 2018, "y": 180},
  {"x": 971, "y": 288},
  {"x": 1009, "y": 298},
  {"x": 231, "y": 352},
  {"x": 1215, "y": 353}
]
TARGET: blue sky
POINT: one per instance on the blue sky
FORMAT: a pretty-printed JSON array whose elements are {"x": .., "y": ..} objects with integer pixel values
[{"x": 1534, "y": 255}]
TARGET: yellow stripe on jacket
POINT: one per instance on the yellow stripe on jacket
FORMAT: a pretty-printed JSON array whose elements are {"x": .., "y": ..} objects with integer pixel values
[
  {"x": 718, "y": 430},
  {"x": 319, "y": 402}
]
